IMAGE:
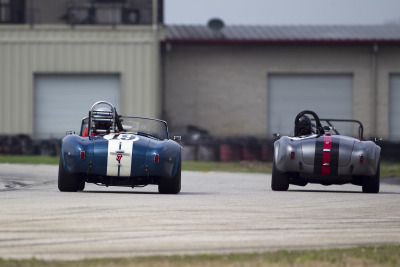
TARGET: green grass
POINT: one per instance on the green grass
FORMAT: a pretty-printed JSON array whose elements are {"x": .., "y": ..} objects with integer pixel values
[
  {"x": 242, "y": 166},
  {"x": 28, "y": 159},
  {"x": 361, "y": 256},
  {"x": 388, "y": 169}
]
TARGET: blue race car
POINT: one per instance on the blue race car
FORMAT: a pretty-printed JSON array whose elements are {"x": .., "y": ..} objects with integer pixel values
[{"x": 115, "y": 150}]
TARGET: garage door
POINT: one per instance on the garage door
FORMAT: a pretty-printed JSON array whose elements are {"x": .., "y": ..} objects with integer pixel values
[
  {"x": 330, "y": 96},
  {"x": 61, "y": 101},
  {"x": 394, "y": 108}
]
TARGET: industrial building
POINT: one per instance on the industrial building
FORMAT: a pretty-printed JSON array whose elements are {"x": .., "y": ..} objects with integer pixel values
[
  {"x": 253, "y": 80},
  {"x": 59, "y": 57}
]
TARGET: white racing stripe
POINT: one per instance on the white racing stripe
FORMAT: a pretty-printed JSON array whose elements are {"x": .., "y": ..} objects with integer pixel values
[{"x": 119, "y": 157}]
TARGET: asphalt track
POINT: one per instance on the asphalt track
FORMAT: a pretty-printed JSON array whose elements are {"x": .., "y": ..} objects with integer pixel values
[{"x": 214, "y": 213}]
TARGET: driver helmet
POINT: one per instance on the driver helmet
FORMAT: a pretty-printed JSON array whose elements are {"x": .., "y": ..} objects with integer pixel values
[
  {"x": 304, "y": 125},
  {"x": 102, "y": 125}
]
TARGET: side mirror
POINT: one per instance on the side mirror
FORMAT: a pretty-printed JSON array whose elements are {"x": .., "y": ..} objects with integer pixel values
[
  {"x": 277, "y": 135},
  {"x": 377, "y": 139},
  {"x": 69, "y": 132},
  {"x": 127, "y": 128},
  {"x": 177, "y": 138}
]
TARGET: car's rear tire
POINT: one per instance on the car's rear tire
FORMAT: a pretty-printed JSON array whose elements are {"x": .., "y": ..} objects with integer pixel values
[
  {"x": 68, "y": 182},
  {"x": 171, "y": 185},
  {"x": 279, "y": 180},
  {"x": 81, "y": 185},
  {"x": 371, "y": 184}
]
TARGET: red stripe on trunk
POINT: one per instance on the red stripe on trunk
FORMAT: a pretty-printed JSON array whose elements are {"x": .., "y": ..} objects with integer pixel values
[{"x": 326, "y": 155}]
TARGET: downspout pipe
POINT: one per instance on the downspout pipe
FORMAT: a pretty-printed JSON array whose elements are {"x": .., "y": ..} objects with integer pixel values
[
  {"x": 156, "y": 55},
  {"x": 374, "y": 89}
]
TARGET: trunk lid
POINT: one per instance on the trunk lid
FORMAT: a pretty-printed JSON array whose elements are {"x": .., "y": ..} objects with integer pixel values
[
  {"x": 121, "y": 153},
  {"x": 337, "y": 148}
]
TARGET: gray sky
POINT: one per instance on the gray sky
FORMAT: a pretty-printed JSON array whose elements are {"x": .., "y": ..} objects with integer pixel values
[{"x": 282, "y": 12}]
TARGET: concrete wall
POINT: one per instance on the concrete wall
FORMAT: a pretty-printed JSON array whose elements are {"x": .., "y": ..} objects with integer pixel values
[
  {"x": 224, "y": 88},
  {"x": 130, "y": 51}
]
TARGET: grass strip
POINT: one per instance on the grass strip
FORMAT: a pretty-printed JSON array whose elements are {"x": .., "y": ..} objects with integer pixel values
[
  {"x": 34, "y": 159},
  {"x": 388, "y": 169},
  {"x": 388, "y": 255},
  {"x": 241, "y": 166}
]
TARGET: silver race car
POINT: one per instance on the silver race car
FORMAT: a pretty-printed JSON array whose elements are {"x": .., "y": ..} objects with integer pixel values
[{"x": 319, "y": 154}]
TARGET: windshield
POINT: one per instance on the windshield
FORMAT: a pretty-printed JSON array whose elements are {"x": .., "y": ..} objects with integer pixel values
[{"x": 145, "y": 126}]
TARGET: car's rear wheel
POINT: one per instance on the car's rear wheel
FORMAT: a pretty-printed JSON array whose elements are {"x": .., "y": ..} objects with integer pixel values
[
  {"x": 279, "y": 180},
  {"x": 171, "y": 185},
  {"x": 68, "y": 182},
  {"x": 370, "y": 184},
  {"x": 81, "y": 185}
]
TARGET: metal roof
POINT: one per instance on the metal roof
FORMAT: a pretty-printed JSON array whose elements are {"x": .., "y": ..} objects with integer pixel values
[{"x": 385, "y": 33}]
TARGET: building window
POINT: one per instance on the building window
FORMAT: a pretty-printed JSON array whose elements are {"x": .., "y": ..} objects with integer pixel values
[
  {"x": 12, "y": 11},
  {"x": 4, "y": 11}
]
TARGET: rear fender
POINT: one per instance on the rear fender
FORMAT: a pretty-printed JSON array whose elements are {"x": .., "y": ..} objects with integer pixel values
[
  {"x": 371, "y": 156},
  {"x": 71, "y": 147},
  {"x": 176, "y": 164},
  {"x": 283, "y": 149},
  {"x": 169, "y": 153},
  {"x": 377, "y": 156}
]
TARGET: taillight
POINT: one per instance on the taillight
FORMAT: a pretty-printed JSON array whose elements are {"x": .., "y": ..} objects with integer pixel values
[
  {"x": 361, "y": 159},
  {"x": 292, "y": 155},
  {"x": 82, "y": 155},
  {"x": 156, "y": 158}
]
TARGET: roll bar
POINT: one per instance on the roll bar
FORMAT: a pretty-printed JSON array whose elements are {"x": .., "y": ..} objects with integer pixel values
[
  {"x": 360, "y": 127},
  {"x": 320, "y": 129},
  {"x": 107, "y": 115}
]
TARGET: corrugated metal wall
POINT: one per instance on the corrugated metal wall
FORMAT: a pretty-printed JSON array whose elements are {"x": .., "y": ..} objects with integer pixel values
[{"x": 131, "y": 51}]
